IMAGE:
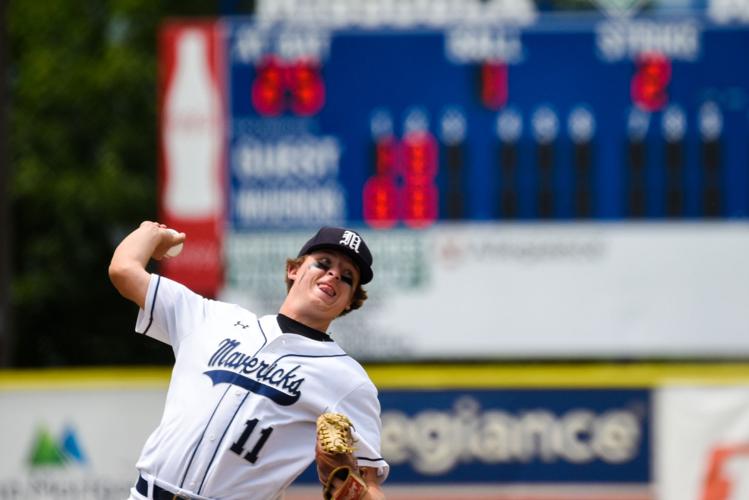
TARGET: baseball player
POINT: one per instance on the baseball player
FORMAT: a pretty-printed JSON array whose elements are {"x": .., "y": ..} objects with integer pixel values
[{"x": 246, "y": 391}]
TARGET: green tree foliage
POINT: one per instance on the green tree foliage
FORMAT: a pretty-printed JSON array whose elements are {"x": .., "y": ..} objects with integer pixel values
[{"x": 82, "y": 137}]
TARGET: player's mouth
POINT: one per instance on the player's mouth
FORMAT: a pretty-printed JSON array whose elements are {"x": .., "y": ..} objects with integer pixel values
[{"x": 326, "y": 289}]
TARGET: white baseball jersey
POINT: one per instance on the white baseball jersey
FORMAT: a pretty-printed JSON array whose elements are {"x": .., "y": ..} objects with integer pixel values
[{"x": 240, "y": 413}]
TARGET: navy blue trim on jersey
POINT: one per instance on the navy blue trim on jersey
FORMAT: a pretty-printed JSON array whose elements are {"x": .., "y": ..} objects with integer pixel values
[
  {"x": 342, "y": 355},
  {"x": 200, "y": 440},
  {"x": 218, "y": 444},
  {"x": 202, "y": 435},
  {"x": 265, "y": 337},
  {"x": 252, "y": 385},
  {"x": 153, "y": 304}
]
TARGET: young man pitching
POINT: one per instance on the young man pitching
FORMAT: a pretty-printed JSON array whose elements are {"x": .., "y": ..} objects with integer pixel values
[{"x": 246, "y": 391}]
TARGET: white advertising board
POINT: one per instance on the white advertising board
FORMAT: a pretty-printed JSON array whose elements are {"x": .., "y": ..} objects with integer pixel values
[
  {"x": 529, "y": 290},
  {"x": 69, "y": 441},
  {"x": 68, "y": 444},
  {"x": 702, "y": 443}
]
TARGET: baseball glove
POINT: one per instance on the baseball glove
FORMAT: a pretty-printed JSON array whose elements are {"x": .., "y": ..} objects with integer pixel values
[{"x": 336, "y": 465}]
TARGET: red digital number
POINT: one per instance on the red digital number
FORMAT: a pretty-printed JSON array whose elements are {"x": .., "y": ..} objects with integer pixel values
[
  {"x": 269, "y": 87},
  {"x": 649, "y": 88},
  {"x": 420, "y": 205},
  {"x": 380, "y": 202},
  {"x": 306, "y": 88},
  {"x": 279, "y": 86},
  {"x": 494, "y": 84},
  {"x": 386, "y": 157},
  {"x": 419, "y": 157},
  {"x": 403, "y": 189}
]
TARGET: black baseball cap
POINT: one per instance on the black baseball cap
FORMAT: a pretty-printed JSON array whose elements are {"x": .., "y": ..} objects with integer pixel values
[{"x": 343, "y": 240}]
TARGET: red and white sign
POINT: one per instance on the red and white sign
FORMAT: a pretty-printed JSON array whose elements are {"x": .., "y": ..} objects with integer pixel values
[
  {"x": 702, "y": 443},
  {"x": 192, "y": 186}
]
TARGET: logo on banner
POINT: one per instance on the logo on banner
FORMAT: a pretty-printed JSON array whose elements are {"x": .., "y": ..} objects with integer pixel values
[
  {"x": 192, "y": 162},
  {"x": 727, "y": 475},
  {"x": 579, "y": 436},
  {"x": 48, "y": 451}
]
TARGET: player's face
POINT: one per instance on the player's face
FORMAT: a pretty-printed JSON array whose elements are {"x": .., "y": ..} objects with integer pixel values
[{"x": 327, "y": 281}]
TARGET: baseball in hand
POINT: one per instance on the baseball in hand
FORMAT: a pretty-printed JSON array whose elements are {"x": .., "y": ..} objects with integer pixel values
[{"x": 176, "y": 249}]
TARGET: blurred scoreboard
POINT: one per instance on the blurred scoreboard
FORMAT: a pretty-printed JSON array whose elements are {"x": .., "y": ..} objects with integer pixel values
[{"x": 584, "y": 118}]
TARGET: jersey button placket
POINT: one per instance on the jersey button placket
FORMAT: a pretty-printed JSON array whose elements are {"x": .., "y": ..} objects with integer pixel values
[{"x": 205, "y": 454}]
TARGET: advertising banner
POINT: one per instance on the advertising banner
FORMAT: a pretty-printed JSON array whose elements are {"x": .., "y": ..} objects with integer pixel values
[
  {"x": 74, "y": 444},
  {"x": 702, "y": 442},
  {"x": 518, "y": 436},
  {"x": 546, "y": 444},
  {"x": 499, "y": 291},
  {"x": 192, "y": 163}
]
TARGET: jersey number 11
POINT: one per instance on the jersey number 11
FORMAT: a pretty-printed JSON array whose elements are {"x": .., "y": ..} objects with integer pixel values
[{"x": 238, "y": 446}]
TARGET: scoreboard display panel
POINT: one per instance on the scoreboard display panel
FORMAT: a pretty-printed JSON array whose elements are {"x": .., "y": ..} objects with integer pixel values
[{"x": 564, "y": 119}]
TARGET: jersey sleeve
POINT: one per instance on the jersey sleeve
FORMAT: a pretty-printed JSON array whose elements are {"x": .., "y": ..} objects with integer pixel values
[
  {"x": 363, "y": 409},
  {"x": 171, "y": 312}
]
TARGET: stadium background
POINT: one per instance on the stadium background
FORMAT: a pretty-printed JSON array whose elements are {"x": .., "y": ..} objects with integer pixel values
[{"x": 556, "y": 194}]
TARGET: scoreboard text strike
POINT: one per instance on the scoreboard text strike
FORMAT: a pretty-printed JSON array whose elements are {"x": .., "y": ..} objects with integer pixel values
[{"x": 587, "y": 120}]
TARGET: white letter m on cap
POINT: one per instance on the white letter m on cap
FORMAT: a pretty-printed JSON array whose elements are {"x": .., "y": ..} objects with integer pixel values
[{"x": 351, "y": 240}]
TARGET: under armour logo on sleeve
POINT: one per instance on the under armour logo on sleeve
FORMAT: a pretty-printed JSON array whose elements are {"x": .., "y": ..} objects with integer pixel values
[{"x": 351, "y": 240}]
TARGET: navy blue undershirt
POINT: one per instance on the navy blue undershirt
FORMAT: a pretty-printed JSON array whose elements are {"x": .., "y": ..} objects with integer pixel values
[{"x": 289, "y": 325}]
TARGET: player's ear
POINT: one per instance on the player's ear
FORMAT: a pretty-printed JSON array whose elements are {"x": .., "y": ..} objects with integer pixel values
[{"x": 292, "y": 269}]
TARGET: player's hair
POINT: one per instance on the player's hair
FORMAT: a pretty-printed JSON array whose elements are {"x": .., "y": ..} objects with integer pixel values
[{"x": 360, "y": 294}]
